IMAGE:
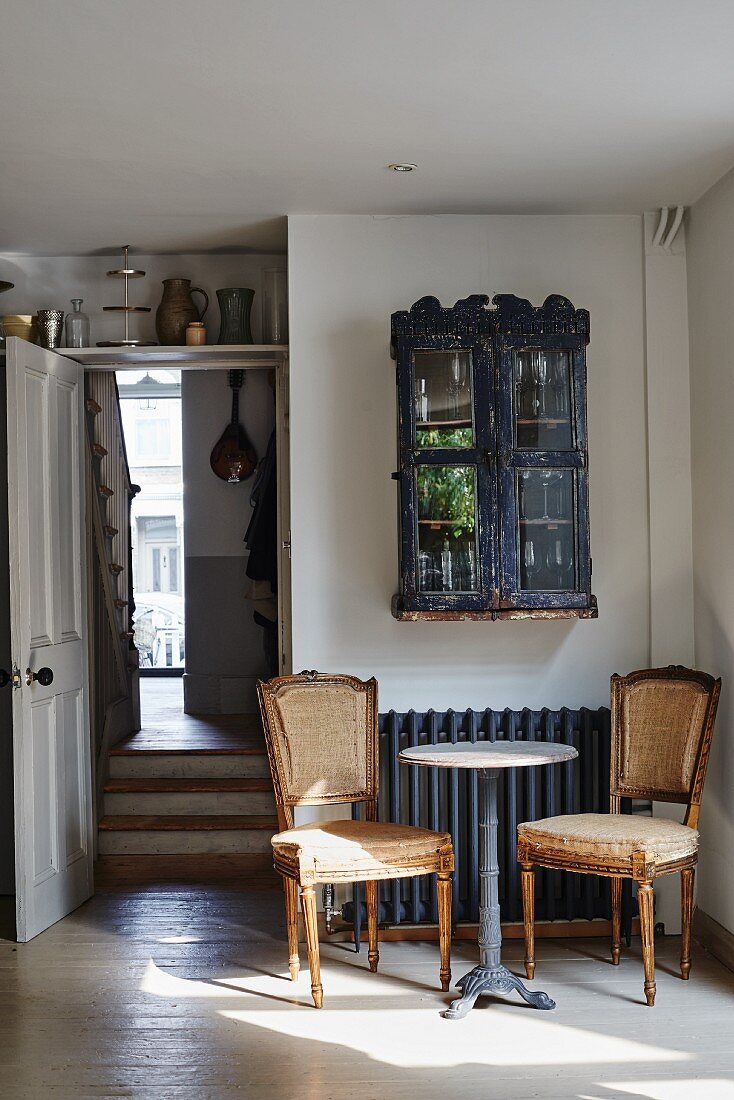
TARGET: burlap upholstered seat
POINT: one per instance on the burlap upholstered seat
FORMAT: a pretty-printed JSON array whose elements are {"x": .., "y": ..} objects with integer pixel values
[
  {"x": 372, "y": 849},
  {"x": 617, "y": 835},
  {"x": 662, "y": 723},
  {"x": 321, "y": 733}
]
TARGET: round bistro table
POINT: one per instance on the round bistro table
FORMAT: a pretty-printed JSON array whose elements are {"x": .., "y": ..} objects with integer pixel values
[{"x": 487, "y": 758}]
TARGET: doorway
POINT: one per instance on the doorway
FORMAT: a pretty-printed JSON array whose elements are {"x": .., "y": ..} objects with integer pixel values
[{"x": 150, "y": 405}]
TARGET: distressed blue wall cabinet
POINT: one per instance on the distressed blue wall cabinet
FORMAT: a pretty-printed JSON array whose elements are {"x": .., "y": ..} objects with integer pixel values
[{"x": 494, "y": 508}]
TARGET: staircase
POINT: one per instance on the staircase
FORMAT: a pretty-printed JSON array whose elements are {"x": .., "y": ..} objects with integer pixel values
[
  {"x": 202, "y": 811},
  {"x": 113, "y": 664}
]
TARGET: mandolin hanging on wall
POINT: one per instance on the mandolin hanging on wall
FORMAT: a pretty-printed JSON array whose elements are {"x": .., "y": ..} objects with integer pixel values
[{"x": 233, "y": 457}]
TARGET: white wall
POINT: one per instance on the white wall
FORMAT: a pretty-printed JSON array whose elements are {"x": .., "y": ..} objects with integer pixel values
[
  {"x": 710, "y": 235},
  {"x": 346, "y": 276},
  {"x": 49, "y": 282},
  {"x": 224, "y": 647}
]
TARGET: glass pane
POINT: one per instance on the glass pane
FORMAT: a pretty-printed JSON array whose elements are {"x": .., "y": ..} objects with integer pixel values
[
  {"x": 443, "y": 399},
  {"x": 547, "y": 540},
  {"x": 447, "y": 529},
  {"x": 542, "y": 400}
]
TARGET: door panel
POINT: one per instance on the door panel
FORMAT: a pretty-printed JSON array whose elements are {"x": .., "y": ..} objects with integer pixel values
[
  {"x": 44, "y": 840},
  {"x": 51, "y": 742},
  {"x": 37, "y": 499},
  {"x": 68, "y": 583},
  {"x": 73, "y": 734}
]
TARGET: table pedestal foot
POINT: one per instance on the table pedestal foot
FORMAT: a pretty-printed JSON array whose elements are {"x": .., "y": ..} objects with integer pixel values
[{"x": 497, "y": 980}]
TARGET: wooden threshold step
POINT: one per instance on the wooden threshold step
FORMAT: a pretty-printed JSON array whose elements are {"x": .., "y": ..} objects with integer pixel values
[
  {"x": 239, "y": 748},
  {"x": 185, "y": 785},
  {"x": 233, "y": 869},
  {"x": 187, "y": 822}
]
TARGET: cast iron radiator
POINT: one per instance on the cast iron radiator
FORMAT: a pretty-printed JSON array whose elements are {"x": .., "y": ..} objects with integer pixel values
[{"x": 439, "y": 798}]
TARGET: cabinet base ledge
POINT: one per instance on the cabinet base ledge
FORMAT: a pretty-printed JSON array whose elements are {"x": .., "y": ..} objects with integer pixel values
[{"x": 404, "y": 615}]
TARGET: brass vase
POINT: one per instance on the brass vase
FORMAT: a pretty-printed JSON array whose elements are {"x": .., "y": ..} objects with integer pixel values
[{"x": 177, "y": 309}]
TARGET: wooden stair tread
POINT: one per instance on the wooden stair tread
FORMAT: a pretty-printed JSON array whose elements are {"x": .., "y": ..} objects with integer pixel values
[
  {"x": 99, "y": 451},
  {"x": 244, "y": 748},
  {"x": 186, "y": 822},
  {"x": 93, "y": 406},
  {"x": 155, "y": 785}
]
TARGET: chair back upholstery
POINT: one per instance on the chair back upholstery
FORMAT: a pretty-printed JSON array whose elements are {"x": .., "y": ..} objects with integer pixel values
[
  {"x": 321, "y": 733},
  {"x": 662, "y": 722}
]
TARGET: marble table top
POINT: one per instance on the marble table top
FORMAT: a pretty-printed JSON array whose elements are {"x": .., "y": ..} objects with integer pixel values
[{"x": 488, "y": 754}]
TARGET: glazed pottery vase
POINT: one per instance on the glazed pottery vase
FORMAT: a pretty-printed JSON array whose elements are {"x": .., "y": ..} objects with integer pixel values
[
  {"x": 177, "y": 309},
  {"x": 235, "y": 303}
]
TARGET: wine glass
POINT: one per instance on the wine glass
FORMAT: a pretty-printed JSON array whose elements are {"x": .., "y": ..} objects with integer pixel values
[
  {"x": 559, "y": 383},
  {"x": 530, "y": 563},
  {"x": 525, "y": 489},
  {"x": 547, "y": 478},
  {"x": 556, "y": 562},
  {"x": 525, "y": 386},
  {"x": 456, "y": 385},
  {"x": 540, "y": 370}
]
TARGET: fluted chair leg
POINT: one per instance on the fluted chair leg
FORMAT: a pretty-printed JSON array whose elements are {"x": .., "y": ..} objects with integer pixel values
[
  {"x": 373, "y": 954},
  {"x": 290, "y": 887},
  {"x": 308, "y": 905},
  {"x": 686, "y": 906},
  {"x": 527, "y": 877},
  {"x": 616, "y": 885},
  {"x": 646, "y": 905},
  {"x": 444, "y": 888}
]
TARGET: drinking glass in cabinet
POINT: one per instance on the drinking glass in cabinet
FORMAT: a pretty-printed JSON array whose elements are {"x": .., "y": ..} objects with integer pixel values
[
  {"x": 542, "y": 400},
  {"x": 547, "y": 533},
  {"x": 443, "y": 399},
  {"x": 447, "y": 548}
]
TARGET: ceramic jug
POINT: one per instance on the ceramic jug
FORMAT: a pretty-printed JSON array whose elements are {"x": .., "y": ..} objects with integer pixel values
[{"x": 177, "y": 309}]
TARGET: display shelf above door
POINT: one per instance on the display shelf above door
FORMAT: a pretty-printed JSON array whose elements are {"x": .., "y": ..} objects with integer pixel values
[{"x": 242, "y": 356}]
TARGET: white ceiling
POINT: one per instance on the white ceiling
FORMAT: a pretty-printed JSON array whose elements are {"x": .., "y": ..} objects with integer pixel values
[{"x": 182, "y": 125}]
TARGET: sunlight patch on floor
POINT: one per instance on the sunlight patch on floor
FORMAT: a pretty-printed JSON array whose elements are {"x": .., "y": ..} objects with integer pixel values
[
  {"x": 683, "y": 1088},
  {"x": 402, "y": 1037}
]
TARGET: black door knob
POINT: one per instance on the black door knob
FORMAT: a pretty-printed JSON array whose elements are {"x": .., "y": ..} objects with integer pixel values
[
  {"x": 4, "y": 678},
  {"x": 44, "y": 676}
]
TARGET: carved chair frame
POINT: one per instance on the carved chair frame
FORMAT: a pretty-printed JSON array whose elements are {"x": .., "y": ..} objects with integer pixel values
[
  {"x": 300, "y": 872},
  {"x": 639, "y": 867}
]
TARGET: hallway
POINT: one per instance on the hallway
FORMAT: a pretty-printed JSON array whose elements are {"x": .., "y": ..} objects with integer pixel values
[{"x": 165, "y": 727}]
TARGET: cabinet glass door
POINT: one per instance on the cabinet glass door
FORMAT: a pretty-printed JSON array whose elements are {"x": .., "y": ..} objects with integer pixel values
[
  {"x": 443, "y": 387},
  {"x": 542, "y": 400},
  {"x": 447, "y": 549},
  {"x": 546, "y": 533},
  {"x": 543, "y": 499}
]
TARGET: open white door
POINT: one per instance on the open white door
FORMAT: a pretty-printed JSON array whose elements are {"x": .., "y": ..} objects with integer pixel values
[{"x": 51, "y": 743}]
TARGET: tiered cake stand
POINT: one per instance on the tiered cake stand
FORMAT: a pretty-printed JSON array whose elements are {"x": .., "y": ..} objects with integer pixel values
[{"x": 126, "y": 272}]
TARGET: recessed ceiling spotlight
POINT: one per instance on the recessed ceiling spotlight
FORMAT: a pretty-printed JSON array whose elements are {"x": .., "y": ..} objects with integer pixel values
[{"x": 403, "y": 166}]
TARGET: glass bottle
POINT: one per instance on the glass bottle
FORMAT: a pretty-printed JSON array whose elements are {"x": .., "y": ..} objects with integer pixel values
[
  {"x": 446, "y": 566},
  {"x": 77, "y": 326},
  {"x": 421, "y": 401}
]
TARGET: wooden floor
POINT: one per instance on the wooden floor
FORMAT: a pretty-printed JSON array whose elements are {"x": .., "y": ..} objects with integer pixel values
[
  {"x": 167, "y": 729},
  {"x": 183, "y": 993}
]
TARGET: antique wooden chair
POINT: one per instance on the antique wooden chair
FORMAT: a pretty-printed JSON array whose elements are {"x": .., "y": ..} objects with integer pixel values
[
  {"x": 321, "y": 733},
  {"x": 662, "y": 722}
]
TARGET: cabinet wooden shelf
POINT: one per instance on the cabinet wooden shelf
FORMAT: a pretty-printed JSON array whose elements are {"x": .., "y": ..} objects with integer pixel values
[{"x": 507, "y": 530}]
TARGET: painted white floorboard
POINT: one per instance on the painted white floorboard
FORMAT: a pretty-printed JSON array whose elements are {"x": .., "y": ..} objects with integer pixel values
[{"x": 184, "y": 993}]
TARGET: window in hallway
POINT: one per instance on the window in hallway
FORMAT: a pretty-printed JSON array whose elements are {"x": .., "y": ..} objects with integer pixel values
[{"x": 151, "y": 414}]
